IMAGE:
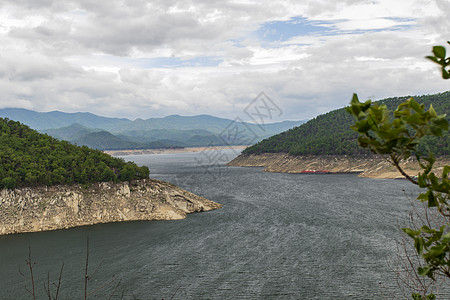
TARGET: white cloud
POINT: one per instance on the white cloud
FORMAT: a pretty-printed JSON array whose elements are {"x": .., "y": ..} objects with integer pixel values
[{"x": 108, "y": 57}]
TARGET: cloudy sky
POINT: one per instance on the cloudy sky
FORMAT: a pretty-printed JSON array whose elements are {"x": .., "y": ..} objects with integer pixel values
[{"x": 152, "y": 58}]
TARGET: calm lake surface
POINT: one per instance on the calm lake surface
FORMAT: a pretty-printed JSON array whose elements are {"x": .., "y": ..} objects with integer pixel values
[{"x": 278, "y": 236}]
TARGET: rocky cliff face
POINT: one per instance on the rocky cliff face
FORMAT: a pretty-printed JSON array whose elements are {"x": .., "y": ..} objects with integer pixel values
[
  {"x": 57, "y": 207},
  {"x": 371, "y": 166}
]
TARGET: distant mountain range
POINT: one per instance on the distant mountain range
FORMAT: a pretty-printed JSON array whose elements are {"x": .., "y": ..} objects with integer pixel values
[{"x": 169, "y": 132}]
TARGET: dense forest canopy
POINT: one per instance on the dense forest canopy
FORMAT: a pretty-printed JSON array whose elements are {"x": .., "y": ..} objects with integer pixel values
[
  {"x": 330, "y": 133},
  {"x": 28, "y": 158}
]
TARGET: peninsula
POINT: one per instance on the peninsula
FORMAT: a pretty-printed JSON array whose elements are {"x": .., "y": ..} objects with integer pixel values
[{"x": 47, "y": 184}]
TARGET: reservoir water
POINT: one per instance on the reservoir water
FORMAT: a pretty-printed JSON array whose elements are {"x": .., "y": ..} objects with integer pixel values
[{"x": 278, "y": 236}]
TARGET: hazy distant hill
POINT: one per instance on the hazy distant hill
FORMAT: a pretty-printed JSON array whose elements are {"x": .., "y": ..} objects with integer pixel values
[
  {"x": 71, "y": 132},
  {"x": 206, "y": 122},
  {"x": 57, "y": 119},
  {"x": 105, "y": 141},
  {"x": 330, "y": 133},
  {"x": 158, "y": 134},
  {"x": 171, "y": 131}
]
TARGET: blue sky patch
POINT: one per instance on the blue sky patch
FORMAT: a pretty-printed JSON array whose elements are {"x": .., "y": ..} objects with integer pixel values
[
  {"x": 401, "y": 19},
  {"x": 279, "y": 31},
  {"x": 177, "y": 62}
]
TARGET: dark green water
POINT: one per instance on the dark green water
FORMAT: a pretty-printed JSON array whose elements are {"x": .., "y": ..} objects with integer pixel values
[{"x": 278, "y": 236}]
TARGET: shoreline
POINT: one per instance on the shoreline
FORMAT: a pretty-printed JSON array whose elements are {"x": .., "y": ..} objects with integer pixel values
[
  {"x": 369, "y": 167},
  {"x": 169, "y": 151},
  {"x": 65, "y": 206}
]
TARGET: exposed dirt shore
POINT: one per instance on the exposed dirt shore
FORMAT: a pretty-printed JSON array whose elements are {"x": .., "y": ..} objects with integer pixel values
[
  {"x": 370, "y": 166},
  {"x": 58, "y": 207}
]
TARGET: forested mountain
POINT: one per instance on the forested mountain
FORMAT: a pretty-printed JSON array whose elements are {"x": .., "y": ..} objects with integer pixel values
[
  {"x": 330, "y": 133},
  {"x": 168, "y": 132},
  {"x": 28, "y": 158}
]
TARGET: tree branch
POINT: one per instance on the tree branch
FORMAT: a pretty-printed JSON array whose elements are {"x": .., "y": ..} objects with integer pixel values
[{"x": 395, "y": 162}]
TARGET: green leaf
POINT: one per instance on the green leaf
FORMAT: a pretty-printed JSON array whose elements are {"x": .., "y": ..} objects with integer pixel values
[
  {"x": 415, "y": 106},
  {"x": 402, "y": 142},
  {"x": 427, "y": 229},
  {"x": 366, "y": 105},
  {"x": 418, "y": 243},
  {"x": 445, "y": 171},
  {"x": 440, "y": 122},
  {"x": 414, "y": 119},
  {"x": 446, "y": 238},
  {"x": 423, "y": 196},
  {"x": 424, "y": 271},
  {"x": 435, "y": 130},
  {"x": 410, "y": 232},
  {"x": 435, "y": 252},
  {"x": 349, "y": 110},
  {"x": 432, "y": 112},
  {"x": 363, "y": 141},
  {"x": 355, "y": 106},
  {"x": 445, "y": 74},
  {"x": 434, "y": 180},
  {"x": 439, "y": 51},
  {"x": 355, "y": 99},
  {"x": 432, "y": 58},
  {"x": 431, "y": 199},
  {"x": 362, "y": 126}
]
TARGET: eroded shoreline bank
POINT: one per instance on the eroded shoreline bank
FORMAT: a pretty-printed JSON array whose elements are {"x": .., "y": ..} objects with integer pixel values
[
  {"x": 370, "y": 166},
  {"x": 61, "y": 207}
]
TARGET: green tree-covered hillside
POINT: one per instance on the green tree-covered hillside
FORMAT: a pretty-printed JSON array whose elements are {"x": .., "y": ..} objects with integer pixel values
[
  {"x": 330, "y": 133},
  {"x": 28, "y": 158}
]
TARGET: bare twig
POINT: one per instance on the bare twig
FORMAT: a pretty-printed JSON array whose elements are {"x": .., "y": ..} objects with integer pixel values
[
  {"x": 98, "y": 267},
  {"x": 59, "y": 282},
  {"x": 408, "y": 260},
  {"x": 102, "y": 287},
  {"x": 30, "y": 265},
  {"x": 57, "y": 285},
  {"x": 175, "y": 292},
  {"x": 395, "y": 161},
  {"x": 114, "y": 290},
  {"x": 47, "y": 287},
  {"x": 86, "y": 277}
]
